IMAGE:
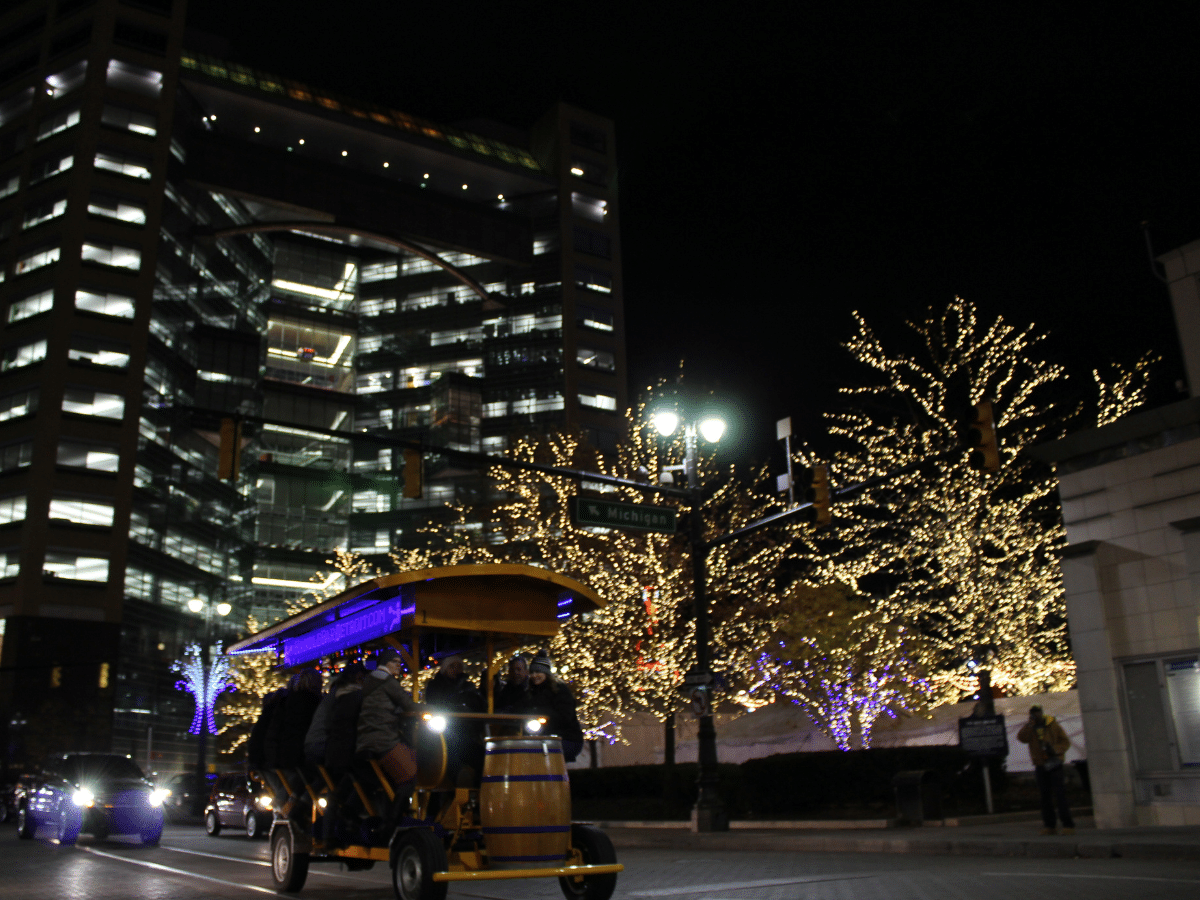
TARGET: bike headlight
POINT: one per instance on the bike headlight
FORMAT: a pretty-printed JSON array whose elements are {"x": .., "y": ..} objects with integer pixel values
[
  {"x": 83, "y": 797},
  {"x": 436, "y": 724},
  {"x": 264, "y": 802},
  {"x": 533, "y": 726},
  {"x": 158, "y": 796}
]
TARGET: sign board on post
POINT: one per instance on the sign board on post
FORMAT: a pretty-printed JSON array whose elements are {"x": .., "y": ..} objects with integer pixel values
[
  {"x": 615, "y": 514},
  {"x": 983, "y": 736}
]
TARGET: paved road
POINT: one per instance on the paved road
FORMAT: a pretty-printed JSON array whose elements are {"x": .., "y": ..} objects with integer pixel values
[{"x": 189, "y": 864}]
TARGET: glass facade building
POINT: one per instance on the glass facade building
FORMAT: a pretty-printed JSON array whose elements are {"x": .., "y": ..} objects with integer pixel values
[{"x": 182, "y": 238}]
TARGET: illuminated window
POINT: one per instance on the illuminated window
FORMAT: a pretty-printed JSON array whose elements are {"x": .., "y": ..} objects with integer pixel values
[
  {"x": 36, "y": 260},
  {"x": 83, "y": 455},
  {"x": 12, "y": 509},
  {"x": 58, "y": 123},
  {"x": 598, "y": 401},
  {"x": 48, "y": 168},
  {"x": 75, "y": 566},
  {"x": 596, "y": 359},
  {"x": 135, "y": 79},
  {"x": 116, "y": 208},
  {"x": 128, "y": 164},
  {"x": 95, "y": 352},
  {"x": 31, "y": 305},
  {"x": 93, "y": 403},
  {"x": 594, "y": 318},
  {"x": 132, "y": 120},
  {"x": 111, "y": 255},
  {"x": 21, "y": 403},
  {"x": 593, "y": 279},
  {"x": 10, "y": 567},
  {"x": 25, "y": 355},
  {"x": 381, "y": 271},
  {"x": 62, "y": 83},
  {"x": 105, "y": 304},
  {"x": 16, "y": 456},
  {"x": 9, "y": 185},
  {"x": 44, "y": 212},
  {"x": 81, "y": 512},
  {"x": 590, "y": 208}
]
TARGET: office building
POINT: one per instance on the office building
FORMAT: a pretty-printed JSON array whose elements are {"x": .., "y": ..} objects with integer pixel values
[{"x": 182, "y": 233}]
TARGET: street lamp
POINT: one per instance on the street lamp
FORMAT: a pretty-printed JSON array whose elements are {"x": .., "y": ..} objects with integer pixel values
[{"x": 709, "y": 813}]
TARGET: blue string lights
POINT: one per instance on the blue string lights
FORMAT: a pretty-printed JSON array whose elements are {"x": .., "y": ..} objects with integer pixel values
[{"x": 203, "y": 686}]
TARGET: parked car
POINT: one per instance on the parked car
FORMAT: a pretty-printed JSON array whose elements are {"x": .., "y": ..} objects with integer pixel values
[
  {"x": 97, "y": 793},
  {"x": 189, "y": 795},
  {"x": 238, "y": 800}
]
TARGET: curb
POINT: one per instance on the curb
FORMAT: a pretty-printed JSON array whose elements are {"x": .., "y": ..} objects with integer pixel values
[{"x": 782, "y": 841}]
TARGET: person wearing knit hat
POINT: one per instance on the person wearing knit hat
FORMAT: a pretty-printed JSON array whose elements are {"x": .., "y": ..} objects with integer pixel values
[{"x": 551, "y": 698}]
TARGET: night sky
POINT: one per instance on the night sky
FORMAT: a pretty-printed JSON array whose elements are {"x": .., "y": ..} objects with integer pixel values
[{"x": 784, "y": 164}]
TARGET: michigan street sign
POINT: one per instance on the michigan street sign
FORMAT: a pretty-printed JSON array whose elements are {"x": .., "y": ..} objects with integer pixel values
[{"x": 614, "y": 514}]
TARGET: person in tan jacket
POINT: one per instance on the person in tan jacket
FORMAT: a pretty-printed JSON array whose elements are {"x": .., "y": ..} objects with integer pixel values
[{"x": 1048, "y": 745}]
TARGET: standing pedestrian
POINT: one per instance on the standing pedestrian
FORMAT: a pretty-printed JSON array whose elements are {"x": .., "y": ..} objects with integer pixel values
[
  {"x": 1048, "y": 745},
  {"x": 550, "y": 698}
]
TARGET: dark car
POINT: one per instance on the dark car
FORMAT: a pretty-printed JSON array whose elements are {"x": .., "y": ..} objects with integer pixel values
[
  {"x": 189, "y": 795},
  {"x": 238, "y": 800},
  {"x": 96, "y": 793}
]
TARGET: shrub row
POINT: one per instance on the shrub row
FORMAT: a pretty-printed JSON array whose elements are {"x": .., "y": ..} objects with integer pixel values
[{"x": 786, "y": 785}]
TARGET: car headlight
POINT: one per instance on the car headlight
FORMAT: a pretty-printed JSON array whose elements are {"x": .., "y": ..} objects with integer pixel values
[
  {"x": 157, "y": 796},
  {"x": 264, "y": 802},
  {"x": 533, "y": 726},
  {"x": 83, "y": 797},
  {"x": 436, "y": 724}
]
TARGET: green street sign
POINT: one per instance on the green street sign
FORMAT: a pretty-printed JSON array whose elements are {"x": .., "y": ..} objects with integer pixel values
[{"x": 614, "y": 514}]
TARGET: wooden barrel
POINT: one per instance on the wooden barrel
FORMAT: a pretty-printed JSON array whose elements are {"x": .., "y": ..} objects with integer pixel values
[{"x": 525, "y": 803}]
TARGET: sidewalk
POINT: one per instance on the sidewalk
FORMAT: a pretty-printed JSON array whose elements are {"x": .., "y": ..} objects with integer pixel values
[{"x": 979, "y": 836}]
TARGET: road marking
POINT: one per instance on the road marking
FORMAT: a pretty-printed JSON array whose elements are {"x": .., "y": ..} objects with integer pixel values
[
  {"x": 254, "y": 862},
  {"x": 745, "y": 885},
  {"x": 241, "y": 859},
  {"x": 173, "y": 871},
  {"x": 1105, "y": 877}
]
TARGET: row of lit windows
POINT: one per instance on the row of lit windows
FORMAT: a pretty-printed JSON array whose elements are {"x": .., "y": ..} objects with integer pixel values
[
  {"x": 72, "y": 510},
  {"x": 101, "y": 303},
  {"x": 60, "y": 564},
  {"x": 102, "y": 253}
]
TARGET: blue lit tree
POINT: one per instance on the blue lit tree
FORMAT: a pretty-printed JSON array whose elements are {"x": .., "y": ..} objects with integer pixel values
[{"x": 204, "y": 685}]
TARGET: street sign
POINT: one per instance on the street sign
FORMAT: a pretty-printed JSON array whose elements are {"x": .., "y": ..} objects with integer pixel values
[
  {"x": 614, "y": 514},
  {"x": 983, "y": 736}
]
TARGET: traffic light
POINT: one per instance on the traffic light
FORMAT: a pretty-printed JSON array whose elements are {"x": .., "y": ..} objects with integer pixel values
[
  {"x": 414, "y": 474},
  {"x": 818, "y": 495},
  {"x": 980, "y": 438},
  {"x": 229, "y": 457}
]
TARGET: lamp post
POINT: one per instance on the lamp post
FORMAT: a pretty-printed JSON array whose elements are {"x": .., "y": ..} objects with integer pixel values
[
  {"x": 196, "y": 605},
  {"x": 709, "y": 813}
]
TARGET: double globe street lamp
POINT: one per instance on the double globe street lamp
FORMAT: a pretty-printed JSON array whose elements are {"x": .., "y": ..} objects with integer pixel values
[{"x": 709, "y": 813}]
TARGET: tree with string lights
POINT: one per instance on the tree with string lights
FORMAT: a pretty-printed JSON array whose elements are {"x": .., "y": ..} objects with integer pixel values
[
  {"x": 841, "y": 660},
  {"x": 967, "y": 559},
  {"x": 631, "y": 655},
  {"x": 253, "y": 677}
]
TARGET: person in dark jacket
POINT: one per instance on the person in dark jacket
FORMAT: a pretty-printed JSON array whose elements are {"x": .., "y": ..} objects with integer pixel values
[
  {"x": 256, "y": 744},
  {"x": 289, "y": 725},
  {"x": 318, "y": 731},
  {"x": 551, "y": 699},
  {"x": 513, "y": 695},
  {"x": 386, "y": 711},
  {"x": 452, "y": 691},
  {"x": 341, "y": 733}
]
